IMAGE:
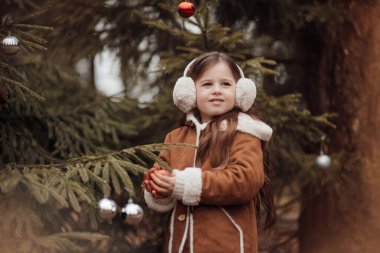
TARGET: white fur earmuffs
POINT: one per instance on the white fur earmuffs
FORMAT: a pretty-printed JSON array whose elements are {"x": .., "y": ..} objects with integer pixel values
[{"x": 184, "y": 93}]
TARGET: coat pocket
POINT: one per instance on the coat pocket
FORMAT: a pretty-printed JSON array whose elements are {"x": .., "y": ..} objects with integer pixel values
[{"x": 214, "y": 231}]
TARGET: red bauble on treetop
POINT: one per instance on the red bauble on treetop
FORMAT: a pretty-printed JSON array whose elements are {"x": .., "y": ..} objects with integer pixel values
[{"x": 186, "y": 9}]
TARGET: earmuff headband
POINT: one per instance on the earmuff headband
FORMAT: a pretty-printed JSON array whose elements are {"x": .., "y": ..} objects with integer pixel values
[
  {"x": 191, "y": 63},
  {"x": 184, "y": 92}
]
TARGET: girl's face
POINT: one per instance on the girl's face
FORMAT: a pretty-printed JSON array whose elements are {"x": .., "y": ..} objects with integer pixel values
[{"x": 215, "y": 90}]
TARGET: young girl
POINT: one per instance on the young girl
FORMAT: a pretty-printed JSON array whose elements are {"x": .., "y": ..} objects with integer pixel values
[{"x": 214, "y": 191}]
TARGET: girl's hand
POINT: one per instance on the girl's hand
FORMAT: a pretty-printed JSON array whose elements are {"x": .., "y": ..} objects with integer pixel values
[
  {"x": 147, "y": 179},
  {"x": 147, "y": 183},
  {"x": 162, "y": 183}
]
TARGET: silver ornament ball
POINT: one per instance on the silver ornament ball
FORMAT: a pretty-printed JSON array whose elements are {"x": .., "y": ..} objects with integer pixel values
[
  {"x": 107, "y": 209},
  {"x": 10, "y": 45},
  {"x": 132, "y": 213},
  {"x": 323, "y": 161}
]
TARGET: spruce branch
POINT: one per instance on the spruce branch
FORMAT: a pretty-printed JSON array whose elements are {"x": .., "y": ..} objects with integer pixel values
[
  {"x": 66, "y": 241},
  {"x": 37, "y": 27},
  {"x": 204, "y": 26},
  {"x": 31, "y": 15},
  {"x": 20, "y": 89},
  {"x": 32, "y": 4},
  {"x": 31, "y": 45},
  {"x": 21, "y": 4},
  {"x": 68, "y": 183},
  {"x": 204, "y": 34},
  {"x": 12, "y": 70},
  {"x": 156, "y": 147},
  {"x": 19, "y": 139},
  {"x": 258, "y": 64},
  {"x": 29, "y": 35}
]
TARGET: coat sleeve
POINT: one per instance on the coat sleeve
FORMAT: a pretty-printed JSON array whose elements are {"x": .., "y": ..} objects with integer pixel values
[
  {"x": 236, "y": 184},
  {"x": 160, "y": 205}
]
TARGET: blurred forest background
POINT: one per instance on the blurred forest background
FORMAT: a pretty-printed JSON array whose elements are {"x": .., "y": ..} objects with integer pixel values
[{"x": 64, "y": 145}]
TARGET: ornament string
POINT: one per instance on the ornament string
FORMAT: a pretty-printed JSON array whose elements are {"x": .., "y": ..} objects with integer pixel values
[{"x": 323, "y": 146}]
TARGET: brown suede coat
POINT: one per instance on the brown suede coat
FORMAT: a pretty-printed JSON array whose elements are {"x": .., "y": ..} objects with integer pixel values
[{"x": 233, "y": 188}]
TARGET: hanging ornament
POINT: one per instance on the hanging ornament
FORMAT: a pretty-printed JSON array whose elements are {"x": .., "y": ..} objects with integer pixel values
[
  {"x": 280, "y": 50},
  {"x": 282, "y": 75},
  {"x": 10, "y": 45},
  {"x": 132, "y": 213},
  {"x": 323, "y": 161},
  {"x": 107, "y": 209},
  {"x": 186, "y": 9}
]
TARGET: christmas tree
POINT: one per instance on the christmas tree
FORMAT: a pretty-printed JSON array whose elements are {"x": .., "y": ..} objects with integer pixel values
[{"x": 64, "y": 145}]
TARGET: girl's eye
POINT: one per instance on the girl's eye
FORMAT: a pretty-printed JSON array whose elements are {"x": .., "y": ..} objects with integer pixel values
[
  {"x": 207, "y": 84},
  {"x": 226, "y": 84}
]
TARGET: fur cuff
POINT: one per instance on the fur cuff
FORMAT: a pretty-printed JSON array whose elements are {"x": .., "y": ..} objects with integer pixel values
[
  {"x": 158, "y": 205},
  {"x": 188, "y": 186}
]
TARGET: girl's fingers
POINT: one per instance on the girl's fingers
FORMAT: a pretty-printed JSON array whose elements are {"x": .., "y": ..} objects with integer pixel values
[
  {"x": 168, "y": 178},
  {"x": 151, "y": 170},
  {"x": 146, "y": 176},
  {"x": 158, "y": 189},
  {"x": 156, "y": 184},
  {"x": 148, "y": 186},
  {"x": 160, "y": 181}
]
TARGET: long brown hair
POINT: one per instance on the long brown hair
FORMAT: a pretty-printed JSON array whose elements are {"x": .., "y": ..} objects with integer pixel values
[{"x": 216, "y": 144}]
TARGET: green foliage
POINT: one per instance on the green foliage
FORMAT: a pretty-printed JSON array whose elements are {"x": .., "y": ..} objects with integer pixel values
[
  {"x": 63, "y": 145},
  {"x": 295, "y": 130},
  {"x": 283, "y": 17},
  {"x": 57, "y": 146}
]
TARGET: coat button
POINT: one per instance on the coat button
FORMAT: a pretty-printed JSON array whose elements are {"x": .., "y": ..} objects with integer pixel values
[{"x": 182, "y": 217}]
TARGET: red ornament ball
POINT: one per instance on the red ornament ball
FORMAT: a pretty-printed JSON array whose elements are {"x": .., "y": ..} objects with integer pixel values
[{"x": 186, "y": 9}]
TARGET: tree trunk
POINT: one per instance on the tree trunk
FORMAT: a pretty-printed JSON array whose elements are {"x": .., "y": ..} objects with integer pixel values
[{"x": 345, "y": 216}]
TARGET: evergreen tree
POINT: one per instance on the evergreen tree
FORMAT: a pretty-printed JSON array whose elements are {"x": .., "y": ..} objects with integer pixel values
[{"x": 64, "y": 146}]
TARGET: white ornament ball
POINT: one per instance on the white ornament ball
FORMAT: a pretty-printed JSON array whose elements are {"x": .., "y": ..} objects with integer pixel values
[
  {"x": 132, "y": 213},
  {"x": 323, "y": 161},
  {"x": 10, "y": 45},
  {"x": 107, "y": 209}
]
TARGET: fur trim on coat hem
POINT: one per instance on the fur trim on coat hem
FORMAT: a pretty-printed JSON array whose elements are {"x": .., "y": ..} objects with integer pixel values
[{"x": 158, "y": 205}]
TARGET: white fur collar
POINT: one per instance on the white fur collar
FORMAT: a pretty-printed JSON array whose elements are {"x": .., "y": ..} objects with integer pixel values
[
  {"x": 246, "y": 124},
  {"x": 255, "y": 127}
]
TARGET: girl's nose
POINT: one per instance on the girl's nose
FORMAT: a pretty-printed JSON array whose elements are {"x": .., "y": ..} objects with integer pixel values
[{"x": 216, "y": 88}]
